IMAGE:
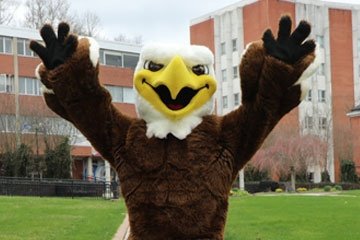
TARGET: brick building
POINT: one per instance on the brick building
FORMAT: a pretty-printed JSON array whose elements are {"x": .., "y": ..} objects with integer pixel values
[
  {"x": 24, "y": 117},
  {"x": 335, "y": 88}
]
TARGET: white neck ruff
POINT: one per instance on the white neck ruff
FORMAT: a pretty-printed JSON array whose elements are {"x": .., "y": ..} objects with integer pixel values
[{"x": 160, "y": 126}]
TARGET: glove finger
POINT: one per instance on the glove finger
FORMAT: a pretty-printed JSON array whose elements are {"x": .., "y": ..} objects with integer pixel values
[
  {"x": 301, "y": 32},
  {"x": 306, "y": 48},
  {"x": 284, "y": 29},
  {"x": 40, "y": 50},
  {"x": 63, "y": 31},
  {"x": 70, "y": 45},
  {"x": 269, "y": 41},
  {"x": 47, "y": 33}
]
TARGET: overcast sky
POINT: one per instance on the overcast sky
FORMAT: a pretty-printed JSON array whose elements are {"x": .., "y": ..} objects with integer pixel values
[{"x": 155, "y": 20}]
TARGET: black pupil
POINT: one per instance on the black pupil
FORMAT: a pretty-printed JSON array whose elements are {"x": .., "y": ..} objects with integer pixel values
[
  {"x": 199, "y": 69},
  {"x": 155, "y": 66}
]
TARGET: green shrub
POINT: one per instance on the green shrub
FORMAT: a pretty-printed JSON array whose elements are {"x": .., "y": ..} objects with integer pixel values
[
  {"x": 338, "y": 188},
  {"x": 235, "y": 192},
  {"x": 279, "y": 190},
  {"x": 253, "y": 174},
  {"x": 301, "y": 189},
  {"x": 348, "y": 171},
  {"x": 327, "y": 188}
]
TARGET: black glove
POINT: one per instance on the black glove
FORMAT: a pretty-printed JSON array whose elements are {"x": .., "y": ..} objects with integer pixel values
[
  {"x": 289, "y": 48},
  {"x": 56, "y": 50}
]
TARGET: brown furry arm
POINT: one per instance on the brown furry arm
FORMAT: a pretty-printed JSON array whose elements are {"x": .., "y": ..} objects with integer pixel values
[
  {"x": 270, "y": 89},
  {"x": 72, "y": 90}
]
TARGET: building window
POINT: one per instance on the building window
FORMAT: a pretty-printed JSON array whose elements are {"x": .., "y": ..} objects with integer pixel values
[
  {"x": 113, "y": 60},
  {"x": 7, "y": 123},
  {"x": 23, "y": 47},
  {"x": 29, "y": 86},
  {"x": 6, "y": 84},
  {"x": 56, "y": 126},
  {"x": 309, "y": 96},
  {"x": 130, "y": 61},
  {"x": 118, "y": 59},
  {"x": 309, "y": 122},
  {"x": 225, "y": 101},
  {"x": 33, "y": 124},
  {"x": 322, "y": 123},
  {"x": 321, "y": 96},
  {"x": 320, "y": 40},
  {"x": 116, "y": 93},
  {"x": 235, "y": 72},
  {"x": 321, "y": 70},
  {"x": 128, "y": 95},
  {"x": 223, "y": 48},
  {"x": 121, "y": 94},
  {"x": 236, "y": 99},
  {"x": 5, "y": 45},
  {"x": 234, "y": 45},
  {"x": 223, "y": 75}
]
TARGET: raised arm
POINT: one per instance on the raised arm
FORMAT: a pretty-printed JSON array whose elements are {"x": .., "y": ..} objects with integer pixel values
[
  {"x": 69, "y": 73},
  {"x": 273, "y": 81}
]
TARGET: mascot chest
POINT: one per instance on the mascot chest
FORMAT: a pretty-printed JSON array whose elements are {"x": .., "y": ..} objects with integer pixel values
[{"x": 172, "y": 170}]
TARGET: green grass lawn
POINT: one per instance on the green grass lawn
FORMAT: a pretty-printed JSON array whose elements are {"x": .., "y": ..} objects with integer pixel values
[
  {"x": 294, "y": 217},
  {"x": 34, "y": 218},
  {"x": 280, "y": 217}
]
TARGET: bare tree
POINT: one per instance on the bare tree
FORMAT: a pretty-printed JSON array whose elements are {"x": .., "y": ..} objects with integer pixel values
[
  {"x": 7, "y": 10},
  {"x": 52, "y": 12},
  {"x": 287, "y": 153},
  {"x": 126, "y": 39},
  {"x": 87, "y": 24}
]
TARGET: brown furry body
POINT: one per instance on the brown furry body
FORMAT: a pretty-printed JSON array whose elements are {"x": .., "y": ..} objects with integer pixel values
[{"x": 176, "y": 189}]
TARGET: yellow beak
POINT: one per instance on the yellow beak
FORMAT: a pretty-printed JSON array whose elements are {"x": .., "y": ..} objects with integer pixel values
[
  {"x": 175, "y": 90},
  {"x": 175, "y": 76}
]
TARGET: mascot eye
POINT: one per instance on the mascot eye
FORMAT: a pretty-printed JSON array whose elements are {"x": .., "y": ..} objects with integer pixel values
[
  {"x": 154, "y": 67},
  {"x": 200, "y": 69}
]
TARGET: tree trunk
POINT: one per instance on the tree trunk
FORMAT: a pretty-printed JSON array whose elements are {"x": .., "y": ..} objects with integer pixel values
[{"x": 293, "y": 175}]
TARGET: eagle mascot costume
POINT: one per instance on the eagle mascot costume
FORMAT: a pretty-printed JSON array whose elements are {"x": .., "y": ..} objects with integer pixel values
[{"x": 177, "y": 161}]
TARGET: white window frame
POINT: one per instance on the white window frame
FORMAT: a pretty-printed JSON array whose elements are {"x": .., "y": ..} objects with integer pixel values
[
  {"x": 25, "y": 48},
  {"x": 8, "y": 83},
  {"x": 309, "y": 96},
  {"x": 321, "y": 70},
  {"x": 320, "y": 40},
  {"x": 234, "y": 44},
  {"x": 104, "y": 52},
  {"x": 235, "y": 72},
  {"x": 321, "y": 95},
  {"x": 309, "y": 122},
  {"x": 35, "y": 86},
  {"x": 3, "y": 40},
  {"x": 236, "y": 99},
  {"x": 225, "y": 103},
  {"x": 323, "y": 123},
  {"x": 223, "y": 48},
  {"x": 223, "y": 75},
  {"x": 128, "y": 95}
]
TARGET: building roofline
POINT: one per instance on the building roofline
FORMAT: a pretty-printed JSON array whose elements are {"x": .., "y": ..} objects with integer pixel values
[
  {"x": 220, "y": 11},
  {"x": 242, "y": 3},
  {"x": 33, "y": 34},
  {"x": 336, "y": 5}
]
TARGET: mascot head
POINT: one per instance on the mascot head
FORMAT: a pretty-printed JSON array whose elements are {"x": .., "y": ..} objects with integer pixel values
[{"x": 175, "y": 87}]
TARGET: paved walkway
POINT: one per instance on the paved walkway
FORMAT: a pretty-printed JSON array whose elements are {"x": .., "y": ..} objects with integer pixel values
[{"x": 123, "y": 231}]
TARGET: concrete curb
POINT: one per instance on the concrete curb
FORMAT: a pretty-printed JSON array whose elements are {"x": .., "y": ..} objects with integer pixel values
[{"x": 123, "y": 231}]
